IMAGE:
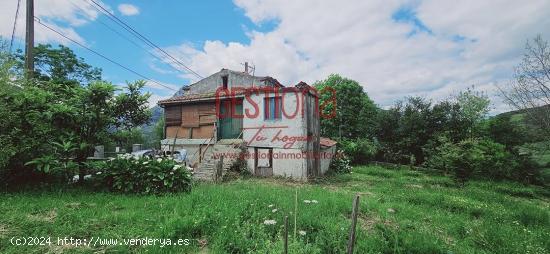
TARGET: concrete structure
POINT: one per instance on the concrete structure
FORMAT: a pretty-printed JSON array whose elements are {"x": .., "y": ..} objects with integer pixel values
[{"x": 236, "y": 115}]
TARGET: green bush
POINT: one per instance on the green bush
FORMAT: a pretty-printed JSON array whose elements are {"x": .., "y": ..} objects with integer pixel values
[
  {"x": 359, "y": 150},
  {"x": 472, "y": 157},
  {"x": 142, "y": 175},
  {"x": 340, "y": 163}
]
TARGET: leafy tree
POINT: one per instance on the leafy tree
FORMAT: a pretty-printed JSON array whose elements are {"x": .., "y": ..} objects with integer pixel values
[
  {"x": 508, "y": 131},
  {"x": 404, "y": 129},
  {"x": 158, "y": 132},
  {"x": 132, "y": 110},
  {"x": 131, "y": 107},
  {"x": 55, "y": 118},
  {"x": 408, "y": 128},
  {"x": 355, "y": 112},
  {"x": 474, "y": 107},
  {"x": 60, "y": 65}
]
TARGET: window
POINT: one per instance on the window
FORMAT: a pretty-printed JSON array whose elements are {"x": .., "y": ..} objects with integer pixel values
[
  {"x": 273, "y": 108},
  {"x": 224, "y": 82}
]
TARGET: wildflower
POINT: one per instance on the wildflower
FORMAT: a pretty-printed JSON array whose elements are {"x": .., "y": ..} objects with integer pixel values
[
  {"x": 314, "y": 201},
  {"x": 270, "y": 222},
  {"x": 98, "y": 173},
  {"x": 270, "y": 206},
  {"x": 145, "y": 163},
  {"x": 274, "y": 210},
  {"x": 307, "y": 201},
  {"x": 302, "y": 233}
]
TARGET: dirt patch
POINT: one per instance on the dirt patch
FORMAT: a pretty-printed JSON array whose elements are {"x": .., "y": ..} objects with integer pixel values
[
  {"x": 44, "y": 217},
  {"x": 369, "y": 221}
]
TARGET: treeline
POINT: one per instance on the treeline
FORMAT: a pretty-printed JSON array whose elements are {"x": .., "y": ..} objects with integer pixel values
[
  {"x": 52, "y": 122},
  {"x": 454, "y": 135}
]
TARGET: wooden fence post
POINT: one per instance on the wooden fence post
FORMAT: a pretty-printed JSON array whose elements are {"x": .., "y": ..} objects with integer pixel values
[
  {"x": 286, "y": 235},
  {"x": 295, "y": 212},
  {"x": 355, "y": 211}
]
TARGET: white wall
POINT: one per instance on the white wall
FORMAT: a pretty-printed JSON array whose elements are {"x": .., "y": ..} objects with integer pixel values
[
  {"x": 294, "y": 167},
  {"x": 326, "y": 157},
  {"x": 293, "y": 126}
]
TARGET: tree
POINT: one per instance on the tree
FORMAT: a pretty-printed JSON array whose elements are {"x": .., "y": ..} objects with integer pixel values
[
  {"x": 132, "y": 110},
  {"x": 355, "y": 111},
  {"x": 408, "y": 128},
  {"x": 474, "y": 107},
  {"x": 404, "y": 129},
  {"x": 506, "y": 130},
  {"x": 53, "y": 119},
  {"x": 60, "y": 65},
  {"x": 530, "y": 89}
]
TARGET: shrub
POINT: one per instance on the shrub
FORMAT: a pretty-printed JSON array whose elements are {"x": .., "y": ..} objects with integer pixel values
[
  {"x": 340, "y": 163},
  {"x": 528, "y": 170},
  {"x": 359, "y": 150},
  {"x": 472, "y": 156},
  {"x": 142, "y": 175}
]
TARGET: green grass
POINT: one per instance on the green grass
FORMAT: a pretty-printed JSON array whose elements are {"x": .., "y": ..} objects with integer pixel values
[{"x": 401, "y": 211}]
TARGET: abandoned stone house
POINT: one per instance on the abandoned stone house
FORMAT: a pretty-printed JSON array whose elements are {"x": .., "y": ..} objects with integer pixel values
[{"x": 274, "y": 128}]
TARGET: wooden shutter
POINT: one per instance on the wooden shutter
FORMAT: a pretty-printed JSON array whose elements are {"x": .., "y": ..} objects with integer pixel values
[
  {"x": 172, "y": 115},
  {"x": 190, "y": 116}
]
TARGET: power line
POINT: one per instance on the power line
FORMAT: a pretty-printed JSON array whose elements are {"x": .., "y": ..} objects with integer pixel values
[
  {"x": 109, "y": 27},
  {"x": 124, "y": 36},
  {"x": 143, "y": 38},
  {"x": 14, "y": 23},
  {"x": 101, "y": 55}
]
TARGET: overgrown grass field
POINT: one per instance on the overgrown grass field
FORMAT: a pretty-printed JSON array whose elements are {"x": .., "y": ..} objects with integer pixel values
[{"x": 401, "y": 211}]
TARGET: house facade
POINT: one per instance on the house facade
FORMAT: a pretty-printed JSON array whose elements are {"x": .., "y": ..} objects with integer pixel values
[{"x": 231, "y": 114}]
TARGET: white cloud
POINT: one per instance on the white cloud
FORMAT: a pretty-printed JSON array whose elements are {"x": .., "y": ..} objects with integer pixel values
[
  {"x": 128, "y": 9},
  {"x": 153, "y": 100},
  {"x": 51, "y": 12},
  {"x": 471, "y": 43},
  {"x": 163, "y": 87}
]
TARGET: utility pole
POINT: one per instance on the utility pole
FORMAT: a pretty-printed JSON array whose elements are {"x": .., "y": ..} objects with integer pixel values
[{"x": 29, "y": 39}]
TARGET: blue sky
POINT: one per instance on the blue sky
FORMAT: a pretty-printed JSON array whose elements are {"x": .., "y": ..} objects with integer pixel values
[
  {"x": 396, "y": 48},
  {"x": 164, "y": 24}
]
